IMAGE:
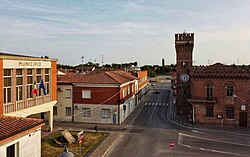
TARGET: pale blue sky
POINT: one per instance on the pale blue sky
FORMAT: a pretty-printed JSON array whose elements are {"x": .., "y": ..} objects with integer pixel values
[{"x": 126, "y": 30}]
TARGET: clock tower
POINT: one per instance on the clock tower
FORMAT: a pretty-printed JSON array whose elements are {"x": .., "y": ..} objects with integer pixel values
[{"x": 184, "y": 44}]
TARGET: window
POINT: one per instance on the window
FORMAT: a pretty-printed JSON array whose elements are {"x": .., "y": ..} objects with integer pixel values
[
  {"x": 86, "y": 94},
  {"x": 86, "y": 112},
  {"x": 29, "y": 83},
  {"x": 209, "y": 91},
  {"x": 132, "y": 87},
  {"x": 12, "y": 150},
  {"x": 209, "y": 111},
  {"x": 230, "y": 90},
  {"x": 68, "y": 93},
  {"x": 128, "y": 89},
  {"x": 54, "y": 110},
  {"x": 68, "y": 111},
  {"x": 19, "y": 84},
  {"x": 124, "y": 92},
  {"x": 106, "y": 113},
  {"x": 7, "y": 85},
  {"x": 47, "y": 80},
  {"x": 230, "y": 113}
]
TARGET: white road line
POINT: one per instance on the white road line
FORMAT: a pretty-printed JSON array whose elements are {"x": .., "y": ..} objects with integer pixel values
[
  {"x": 146, "y": 103},
  {"x": 163, "y": 103},
  {"x": 152, "y": 113},
  {"x": 149, "y": 103},
  {"x": 180, "y": 138},
  {"x": 159, "y": 104},
  {"x": 208, "y": 139},
  {"x": 167, "y": 104},
  {"x": 156, "y": 104}
]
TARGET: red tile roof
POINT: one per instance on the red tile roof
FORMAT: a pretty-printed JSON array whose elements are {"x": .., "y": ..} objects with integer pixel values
[
  {"x": 101, "y": 77},
  {"x": 219, "y": 70},
  {"x": 10, "y": 126}
]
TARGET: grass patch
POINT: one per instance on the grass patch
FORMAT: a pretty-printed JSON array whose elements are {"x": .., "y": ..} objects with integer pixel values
[{"x": 50, "y": 148}]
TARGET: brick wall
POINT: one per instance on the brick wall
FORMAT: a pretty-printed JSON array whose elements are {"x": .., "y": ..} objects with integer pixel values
[{"x": 241, "y": 89}]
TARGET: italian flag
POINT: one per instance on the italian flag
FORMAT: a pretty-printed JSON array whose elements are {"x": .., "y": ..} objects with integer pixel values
[{"x": 34, "y": 90}]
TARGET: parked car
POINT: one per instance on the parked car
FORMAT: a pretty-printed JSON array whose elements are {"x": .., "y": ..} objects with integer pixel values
[{"x": 157, "y": 91}]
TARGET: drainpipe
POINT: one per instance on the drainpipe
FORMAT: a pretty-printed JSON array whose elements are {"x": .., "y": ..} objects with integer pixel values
[
  {"x": 119, "y": 104},
  {"x": 72, "y": 101}
]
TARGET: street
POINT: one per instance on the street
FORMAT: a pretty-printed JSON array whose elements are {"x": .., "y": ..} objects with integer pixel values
[{"x": 150, "y": 131}]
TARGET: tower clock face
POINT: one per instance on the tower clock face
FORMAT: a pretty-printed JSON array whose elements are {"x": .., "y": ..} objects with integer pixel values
[{"x": 184, "y": 77}]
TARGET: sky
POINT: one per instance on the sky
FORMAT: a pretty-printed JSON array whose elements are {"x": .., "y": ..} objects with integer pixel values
[{"x": 123, "y": 31}]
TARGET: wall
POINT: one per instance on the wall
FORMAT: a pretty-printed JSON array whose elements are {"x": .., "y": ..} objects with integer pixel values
[
  {"x": 241, "y": 90},
  {"x": 95, "y": 113},
  {"x": 106, "y": 95},
  {"x": 29, "y": 145},
  {"x": 142, "y": 74},
  {"x": 1, "y": 87},
  {"x": 63, "y": 102}
]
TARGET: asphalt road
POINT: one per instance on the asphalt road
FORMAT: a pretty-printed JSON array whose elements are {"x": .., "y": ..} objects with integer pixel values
[{"x": 150, "y": 132}]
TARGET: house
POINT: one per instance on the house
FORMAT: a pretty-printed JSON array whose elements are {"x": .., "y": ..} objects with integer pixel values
[
  {"x": 20, "y": 136},
  {"x": 220, "y": 95},
  {"x": 27, "y": 89},
  {"x": 142, "y": 81},
  {"x": 28, "y": 86},
  {"x": 101, "y": 97}
]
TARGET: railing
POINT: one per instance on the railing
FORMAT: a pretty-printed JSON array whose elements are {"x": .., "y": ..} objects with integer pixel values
[{"x": 10, "y": 107}]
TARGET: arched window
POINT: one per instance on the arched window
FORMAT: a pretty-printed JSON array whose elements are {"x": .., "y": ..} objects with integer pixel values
[
  {"x": 230, "y": 89},
  {"x": 209, "y": 91}
]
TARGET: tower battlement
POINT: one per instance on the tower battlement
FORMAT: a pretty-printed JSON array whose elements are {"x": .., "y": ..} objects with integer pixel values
[{"x": 184, "y": 37}]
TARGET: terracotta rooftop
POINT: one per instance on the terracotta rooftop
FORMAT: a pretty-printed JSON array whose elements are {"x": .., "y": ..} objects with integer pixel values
[
  {"x": 101, "y": 77},
  {"x": 219, "y": 71},
  {"x": 10, "y": 126}
]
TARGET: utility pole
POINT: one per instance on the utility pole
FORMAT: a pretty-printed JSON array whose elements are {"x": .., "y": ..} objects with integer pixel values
[
  {"x": 82, "y": 63},
  {"x": 102, "y": 59}
]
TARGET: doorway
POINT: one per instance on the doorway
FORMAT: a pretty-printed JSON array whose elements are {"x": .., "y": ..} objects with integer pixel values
[
  {"x": 243, "y": 119},
  {"x": 114, "y": 118}
]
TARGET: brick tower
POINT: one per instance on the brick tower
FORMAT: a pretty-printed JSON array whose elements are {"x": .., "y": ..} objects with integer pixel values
[{"x": 184, "y": 44}]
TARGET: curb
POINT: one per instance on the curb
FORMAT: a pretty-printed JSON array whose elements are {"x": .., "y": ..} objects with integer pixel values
[{"x": 113, "y": 143}]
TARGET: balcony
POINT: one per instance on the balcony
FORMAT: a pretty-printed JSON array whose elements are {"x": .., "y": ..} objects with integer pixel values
[
  {"x": 202, "y": 100},
  {"x": 20, "y": 105}
]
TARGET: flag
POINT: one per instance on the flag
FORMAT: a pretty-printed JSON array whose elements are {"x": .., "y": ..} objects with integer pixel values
[
  {"x": 34, "y": 90},
  {"x": 42, "y": 86}
]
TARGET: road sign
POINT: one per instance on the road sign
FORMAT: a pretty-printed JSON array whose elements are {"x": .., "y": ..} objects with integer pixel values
[{"x": 171, "y": 144}]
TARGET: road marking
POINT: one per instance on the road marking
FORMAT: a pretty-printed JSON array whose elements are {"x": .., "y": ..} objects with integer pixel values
[
  {"x": 149, "y": 104},
  {"x": 159, "y": 104},
  {"x": 204, "y": 138},
  {"x": 152, "y": 112},
  {"x": 180, "y": 138},
  {"x": 146, "y": 103},
  {"x": 156, "y": 104}
]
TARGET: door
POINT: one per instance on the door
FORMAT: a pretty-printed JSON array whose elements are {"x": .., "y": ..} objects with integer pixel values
[
  {"x": 243, "y": 119},
  {"x": 114, "y": 118}
]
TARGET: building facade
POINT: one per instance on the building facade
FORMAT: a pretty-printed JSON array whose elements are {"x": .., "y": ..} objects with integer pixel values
[
  {"x": 221, "y": 95},
  {"x": 20, "y": 137},
  {"x": 102, "y": 97},
  {"x": 28, "y": 86}
]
